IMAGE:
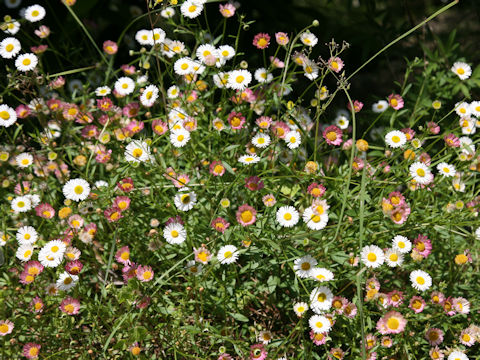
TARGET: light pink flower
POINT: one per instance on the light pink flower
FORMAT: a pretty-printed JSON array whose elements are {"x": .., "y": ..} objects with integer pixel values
[
  {"x": 261, "y": 41},
  {"x": 227, "y": 10},
  {"x": 395, "y": 101},
  {"x": 70, "y": 306},
  {"x": 246, "y": 215},
  {"x": 391, "y": 323},
  {"x": 281, "y": 38},
  {"x": 333, "y": 135}
]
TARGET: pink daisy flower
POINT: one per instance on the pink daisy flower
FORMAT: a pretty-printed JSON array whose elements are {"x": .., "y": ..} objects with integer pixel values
[
  {"x": 433, "y": 127},
  {"x": 395, "y": 298},
  {"x": 264, "y": 122},
  {"x": 422, "y": 245},
  {"x": 318, "y": 338},
  {"x": 395, "y": 101},
  {"x": 126, "y": 184},
  {"x": 396, "y": 198},
  {"x": 113, "y": 214},
  {"x": 448, "y": 306},
  {"x": 123, "y": 255},
  {"x": 217, "y": 168},
  {"x": 280, "y": 129},
  {"x": 74, "y": 267},
  {"x": 269, "y": 200},
  {"x": 281, "y": 38},
  {"x": 236, "y": 120},
  {"x": 350, "y": 310},
  {"x": 70, "y": 306},
  {"x": 391, "y": 323},
  {"x": 254, "y": 183},
  {"x": 37, "y": 305},
  {"x": 417, "y": 304},
  {"x": 6, "y": 327},
  {"x": 33, "y": 267},
  {"x": 145, "y": 273},
  {"x": 335, "y": 64},
  {"x": 110, "y": 47},
  {"x": 159, "y": 127},
  {"x": 437, "y": 297},
  {"x": 451, "y": 140},
  {"x": 434, "y": 336},
  {"x": 227, "y": 10},
  {"x": 202, "y": 255},
  {"x": 31, "y": 350},
  {"x": 316, "y": 190},
  {"x": 122, "y": 202},
  {"x": 333, "y": 135},
  {"x": 261, "y": 41},
  {"x": 467, "y": 337},
  {"x": 220, "y": 224},
  {"x": 246, "y": 215},
  {"x": 129, "y": 271},
  {"x": 357, "y": 106},
  {"x": 436, "y": 354},
  {"x": 26, "y": 278}
]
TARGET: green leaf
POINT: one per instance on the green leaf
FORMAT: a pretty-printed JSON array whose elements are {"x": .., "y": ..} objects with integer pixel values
[{"x": 239, "y": 317}]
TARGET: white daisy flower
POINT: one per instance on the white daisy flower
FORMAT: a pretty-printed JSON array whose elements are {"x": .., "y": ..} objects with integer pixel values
[
  {"x": 12, "y": 27},
  {"x": 226, "y": 52},
  {"x": 393, "y": 257},
  {"x": 416, "y": 143},
  {"x": 21, "y": 204},
  {"x": 321, "y": 299},
  {"x": 287, "y": 216},
  {"x": 103, "y": 91},
  {"x": 457, "y": 355},
  {"x": 156, "y": 36},
  {"x": 300, "y": 308},
  {"x": 265, "y": 337},
  {"x": 395, "y": 139},
  {"x": 420, "y": 173},
  {"x": 143, "y": 37},
  {"x": 66, "y": 281},
  {"x": 26, "y": 235},
  {"x": 34, "y": 13},
  {"x": 446, "y": 170},
  {"x": 221, "y": 80},
  {"x": 249, "y": 159},
  {"x": 462, "y": 69},
  {"x": 227, "y": 254},
  {"x": 24, "y": 160},
  {"x": 101, "y": 183},
  {"x": 55, "y": 248},
  {"x": 466, "y": 145},
  {"x": 304, "y": 265},
  {"x": 124, "y": 86},
  {"x": 321, "y": 274},
  {"x": 463, "y": 109},
  {"x": 183, "y": 66},
  {"x": 167, "y": 13},
  {"x": 372, "y": 256},
  {"x": 149, "y": 96},
  {"x": 47, "y": 259},
  {"x": 185, "y": 200},
  {"x": 311, "y": 69},
  {"x": 173, "y": 92},
  {"x": 191, "y": 8},
  {"x": 307, "y": 38},
  {"x": 380, "y": 106},
  {"x": 206, "y": 50},
  {"x": 8, "y": 115},
  {"x": 34, "y": 199},
  {"x": 179, "y": 138},
  {"x": 315, "y": 220},
  {"x": 24, "y": 252},
  {"x": 261, "y": 140},
  {"x": 137, "y": 151},
  {"x": 475, "y": 108},
  {"x": 263, "y": 76},
  {"x": 175, "y": 233},
  {"x": 458, "y": 185},
  {"x": 76, "y": 189},
  {"x": 9, "y": 47},
  {"x": 319, "y": 324},
  {"x": 293, "y": 139},
  {"x": 194, "y": 268},
  {"x": 26, "y": 62},
  {"x": 342, "y": 122},
  {"x": 420, "y": 280},
  {"x": 239, "y": 79},
  {"x": 402, "y": 244}
]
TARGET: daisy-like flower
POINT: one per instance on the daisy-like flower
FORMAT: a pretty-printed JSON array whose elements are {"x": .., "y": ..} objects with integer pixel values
[
  {"x": 446, "y": 170},
  {"x": 249, "y": 159},
  {"x": 137, "y": 151},
  {"x": 402, "y": 244},
  {"x": 321, "y": 299},
  {"x": 417, "y": 304},
  {"x": 175, "y": 233},
  {"x": 342, "y": 122},
  {"x": 76, "y": 189},
  {"x": 261, "y": 41},
  {"x": 239, "y": 79},
  {"x": 26, "y": 235},
  {"x": 457, "y": 355},
  {"x": 391, "y": 323},
  {"x": 393, "y": 257},
  {"x": 307, "y": 38},
  {"x": 246, "y": 215},
  {"x": 263, "y": 76},
  {"x": 332, "y": 135},
  {"x": 205, "y": 50},
  {"x": 21, "y": 204},
  {"x": 124, "y": 86},
  {"x": 26, "y": 62},
  {"x": 287, "y": 216},
  {"x": 420, "y": 173},
  {"x": 145, "y": 273},
  {"x": 9, "y": 47},
  {"x": 395, "y": 101},
  {"x": 143, "y": 37},
  {"x": 314, "y": 220},
  {"x": 434, "y": 336},
  {"x": 420, "y": 280},
  {"x": 227, "y": 254},
  {"x": 380, "y": 106},
  {"x": 173, "y": 92},
  {"x": 70, "y": 306},
  {"x": 24, "y": 252},
  {"x": 24, "y": 160},
  {"x": 66, "y": 281},
  {"x": 149, "y": 96},
  {"x": 467, "y": 337},
  {"x": 304, "y": 265},
  {"x": 319, "y": 324},
  {"x": 462, "y": 69},
  {"x": 372, "y": 256},
  {"x": 191, "y": 8},
  {"x": 395, "y": 139},
  {"x": 6, "y": 327},
  {"x": 156, "y": 36},
  {"x": 31, "y": 350},
  {"x": 179, "y": 138},
  {"x": 8, "y": 115},
  {"x": 321, "y": 274},
  {"x": 300, "y": 308},
  {"x": 123, "y": 255},
  {"x": 34, "y": 13},
  {"x": 258, "y": 352},
  {"x": 185, "y": 199},
  {"x": 335, "y": 64},
  {"x": 37, "y": 305},
  {"x": 293, "y": 139},
  {"x": 103, "y": 91},
  {"x": 463, "y": 109},
  {"x": 265, "y": 337},
  {"x": 168, "y": 12},
  {"x": 261, "y": 140}
]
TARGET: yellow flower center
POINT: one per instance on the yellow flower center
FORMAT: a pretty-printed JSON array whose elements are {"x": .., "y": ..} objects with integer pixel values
[
  {"x": 9, "y": 47},
  {"x": 33, "y": 351},
  {"x": 460, "y": 71},
  {"x": 332, "y": 136},
  {"x": 421, "y": 172},
  {"x": 124, "y": 85},
  {"x": 137, "y": 152},
  {"x": 393, "y": 257},
  {"x": 396, "y": 139},
  {"x": 4, "y": 115},
  {"x": 55, "y": 248},
  {"x": 246, "y": 216},
  {"x": 4, "y": 328},
  {"x": 185, "y": 199},
  {"x": 202, "y": 256},
  {"x": 420, "y": 280},
  {"x": 67, "y": 280},
  {"x": 26, "y": 62},
  {"x": 322, "y": 297},
  {"x": 393, "y": 323},
  {"x": 262, "y": 42},
  {"x": 37, "y": 306},
  {"x": 174, "y": 233},
  {"x": 125, "y": 255},
  {"x": 192, "y": 8},
  {"x": 287, "y": 216},
  {"x": 35, "y": 13},
  {"x": 239, "y": 79},
  {"x": 69, "y": 308},
  {"x": 228, "y": 254},
  {"x": 147, "y": 275},
  {"x": 417, "y": 304},
  {"x": 319, "y": 324},
  {"x": 180, "y": 137},
  {"x": 315, "y": 218},
  {"x": 371, "y": 257}
]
